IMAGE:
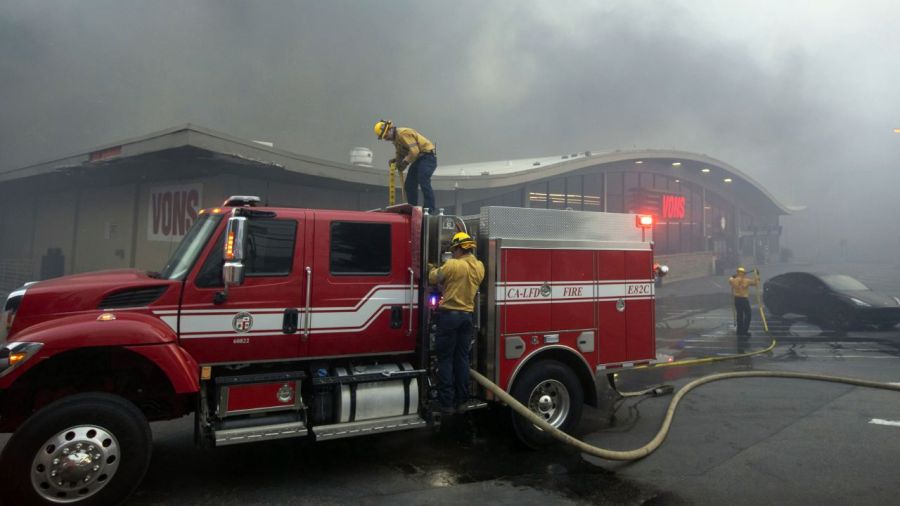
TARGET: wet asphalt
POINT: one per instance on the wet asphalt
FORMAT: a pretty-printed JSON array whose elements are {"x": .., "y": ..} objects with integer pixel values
[{"x": 745, "y": 441}]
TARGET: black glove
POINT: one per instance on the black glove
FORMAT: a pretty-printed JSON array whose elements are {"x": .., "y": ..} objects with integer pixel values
[
  {"x": 392, "y": 161},
  {"x": 402, "y": 165}
]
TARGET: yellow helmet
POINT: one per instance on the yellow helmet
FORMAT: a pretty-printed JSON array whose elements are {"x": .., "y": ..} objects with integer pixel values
[
  {"x": 462, "y": 240},
  {"x": 382, "y": 127},
  {"x": 741, "y": 270}
]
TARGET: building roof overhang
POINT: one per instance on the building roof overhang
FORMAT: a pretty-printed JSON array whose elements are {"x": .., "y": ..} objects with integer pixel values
[{"x": 485, "y": 175}]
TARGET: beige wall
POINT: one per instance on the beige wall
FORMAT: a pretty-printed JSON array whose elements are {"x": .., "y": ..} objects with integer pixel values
[
  {"x": 16, "y": 224},
  {"x": 54, "y": 227},
  {"x": 103, "y": 232}
]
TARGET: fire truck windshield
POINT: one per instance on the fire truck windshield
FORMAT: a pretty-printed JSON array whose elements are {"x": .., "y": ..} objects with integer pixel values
[{"x": 191, "y": 246}]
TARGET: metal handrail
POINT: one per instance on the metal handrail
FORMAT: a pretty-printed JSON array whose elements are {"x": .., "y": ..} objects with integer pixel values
[
  {"x": 412, "y": 298},
  {"x": 307, "y": 316}
]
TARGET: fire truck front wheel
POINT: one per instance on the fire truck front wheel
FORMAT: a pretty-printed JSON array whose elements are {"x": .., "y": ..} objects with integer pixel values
[
  {"x": 552, "y": 391},
  {"x": 84, "y": 449}
]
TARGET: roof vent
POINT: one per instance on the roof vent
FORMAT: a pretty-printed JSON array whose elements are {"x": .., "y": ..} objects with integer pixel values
[
  {"x": 535, "y": 164},
  {"x": 241, "y": 201},
  {"x": 361, "y": 157},
  {"x": 587, "y": 153},
  {"x": 485, "y": 173},
  {"x": 565, "y": 157}
]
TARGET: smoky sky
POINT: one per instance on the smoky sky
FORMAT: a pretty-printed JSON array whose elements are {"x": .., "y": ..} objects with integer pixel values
[{"x": 798, "y": 95}]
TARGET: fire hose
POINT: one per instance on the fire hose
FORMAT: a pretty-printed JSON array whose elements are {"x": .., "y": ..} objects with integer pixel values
[{"x": 660, "y": 437}]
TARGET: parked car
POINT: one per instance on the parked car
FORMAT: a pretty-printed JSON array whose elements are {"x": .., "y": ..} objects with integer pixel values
[{"x": 836, "y": 300}]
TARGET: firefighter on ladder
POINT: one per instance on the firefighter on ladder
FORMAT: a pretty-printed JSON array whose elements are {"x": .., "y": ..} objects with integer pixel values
[
  {"x": 415, "y": 151},
  {"x": 460, "y": 277},
  {"x": 740, "y": 288}
]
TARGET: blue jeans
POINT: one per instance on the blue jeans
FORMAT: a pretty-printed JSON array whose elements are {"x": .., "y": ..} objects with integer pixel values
[
  {"x": 743, "y": 315},
  {"x": 454, "y": 334},
  {"x": 420, "y": 175}
]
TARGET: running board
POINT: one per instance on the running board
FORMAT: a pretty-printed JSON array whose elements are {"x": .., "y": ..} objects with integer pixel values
[
  {"x": 471, "y": 406},
  {"x": 352, "y": 429},
  {"x": 259, "y": 433}
]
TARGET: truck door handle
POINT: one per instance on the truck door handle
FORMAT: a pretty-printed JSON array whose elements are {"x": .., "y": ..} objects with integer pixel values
[
  {"x": 396, "y": 317},
  {"x": 291, "y": 318}
]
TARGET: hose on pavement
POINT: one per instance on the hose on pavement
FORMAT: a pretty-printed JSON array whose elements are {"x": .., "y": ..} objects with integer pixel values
[{"x": 660, "y": 437}]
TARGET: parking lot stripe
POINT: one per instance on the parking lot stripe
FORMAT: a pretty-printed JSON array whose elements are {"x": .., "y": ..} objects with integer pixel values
[{"x": 879, "y": 421}]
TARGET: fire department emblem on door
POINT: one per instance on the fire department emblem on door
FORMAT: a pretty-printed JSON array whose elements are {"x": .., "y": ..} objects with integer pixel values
[
  {"x": 546, "y": 291},
  {"x": 242, "y": 322}
]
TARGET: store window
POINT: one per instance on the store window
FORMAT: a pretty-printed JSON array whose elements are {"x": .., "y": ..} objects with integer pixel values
[
  {"x": 574, "y": 197},
  {"x": 557, "y": 195},
  {"x": 593, "y": 192},
  {"x": 537, "y": 195},
  {"x": 615, "y": 192}
]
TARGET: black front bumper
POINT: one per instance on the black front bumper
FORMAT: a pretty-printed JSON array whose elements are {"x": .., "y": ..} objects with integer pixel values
[{"x": 878, "y": 316}]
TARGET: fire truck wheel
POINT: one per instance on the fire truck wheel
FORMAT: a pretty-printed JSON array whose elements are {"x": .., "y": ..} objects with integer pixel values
[
  {"x": 83, "y": 449},
  {"x": 552, "y": 391}
]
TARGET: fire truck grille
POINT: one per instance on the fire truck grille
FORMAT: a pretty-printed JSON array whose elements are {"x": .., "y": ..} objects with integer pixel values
[{"x": 133, "y": 297}]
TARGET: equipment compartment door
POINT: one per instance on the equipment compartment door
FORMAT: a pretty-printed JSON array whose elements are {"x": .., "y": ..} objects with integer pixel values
[
  {"x": 573, "y": 297},
  {"x": 362, "y": 298},
  {"x": 254, "y": 321},
  {"x": 611, "y": 308},
  {"x": 524, "y": 291},
  {"x": 640, "y": 305}
]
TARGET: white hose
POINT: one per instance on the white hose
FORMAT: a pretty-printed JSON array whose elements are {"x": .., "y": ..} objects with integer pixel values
[{"x": 655, "y": 443}]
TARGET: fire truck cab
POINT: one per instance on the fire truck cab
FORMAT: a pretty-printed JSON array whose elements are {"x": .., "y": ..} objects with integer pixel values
[{"x": 271, "y": 323}]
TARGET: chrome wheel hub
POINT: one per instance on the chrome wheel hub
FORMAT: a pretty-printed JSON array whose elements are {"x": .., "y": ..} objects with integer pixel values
[
  {"x": 550, "y": 400},
  {"x": 75, "y": 464}
]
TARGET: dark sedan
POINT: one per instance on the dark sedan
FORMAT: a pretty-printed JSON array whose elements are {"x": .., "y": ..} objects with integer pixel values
[{"x": 836, "y": 300}]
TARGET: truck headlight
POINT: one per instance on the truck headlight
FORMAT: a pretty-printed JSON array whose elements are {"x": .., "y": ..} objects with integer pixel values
[
  {"x": 15, "y": 354},
  {"x": 10, "y": 308}
]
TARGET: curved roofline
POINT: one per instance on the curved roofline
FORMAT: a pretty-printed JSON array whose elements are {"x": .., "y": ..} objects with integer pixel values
[
  {"x": 584, "y": 160},
  {"x": 506, "y": 173}
]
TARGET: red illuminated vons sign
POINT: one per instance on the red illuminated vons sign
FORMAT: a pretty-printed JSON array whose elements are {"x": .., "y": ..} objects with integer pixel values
[{"x": 673, "y": 206}]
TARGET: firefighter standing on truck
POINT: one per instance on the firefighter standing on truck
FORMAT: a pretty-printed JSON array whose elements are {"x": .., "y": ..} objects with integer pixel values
[
  {"x": 460, "y": 277},
  {"x": 740, "y": 288},
  {"x": 415, "y": 151}
]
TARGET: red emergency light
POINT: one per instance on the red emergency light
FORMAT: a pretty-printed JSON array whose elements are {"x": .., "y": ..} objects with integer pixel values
[{"x": 643, "y": 221}]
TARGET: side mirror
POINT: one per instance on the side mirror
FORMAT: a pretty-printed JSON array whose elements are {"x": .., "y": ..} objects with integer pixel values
[
  {"x": 233, "y": 273},
  {"x": 235, "y": 239}
]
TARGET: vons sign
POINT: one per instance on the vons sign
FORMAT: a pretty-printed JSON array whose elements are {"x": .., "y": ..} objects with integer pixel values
[
  {"x": 172, "y": 211},
  {"x": 673, "y": 207}
]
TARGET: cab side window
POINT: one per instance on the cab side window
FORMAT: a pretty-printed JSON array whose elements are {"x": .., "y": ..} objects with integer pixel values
[
  {"x": 270, "y": 252},
  {"x": 270, "y": 247},
  {"x": 360, "y": 249}
]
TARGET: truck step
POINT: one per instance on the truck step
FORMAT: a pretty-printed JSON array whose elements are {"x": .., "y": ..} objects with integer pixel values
[
  {"x": 351, "y": 429},
  {"x": 259, "y": 433},
  {"x": 471, "y": 406}
]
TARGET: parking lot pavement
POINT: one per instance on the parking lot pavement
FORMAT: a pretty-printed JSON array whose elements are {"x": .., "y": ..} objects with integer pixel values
[{"x": 754, "y": 441}]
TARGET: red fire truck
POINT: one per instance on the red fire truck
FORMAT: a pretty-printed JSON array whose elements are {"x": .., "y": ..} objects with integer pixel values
[{"x": 272, "y": 323}]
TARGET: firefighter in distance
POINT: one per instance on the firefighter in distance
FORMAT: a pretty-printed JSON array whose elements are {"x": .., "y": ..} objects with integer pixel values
[
  {"x": 460, "y": 277},
  {"x": 740, "y": 288},
  {"x": 415, "y": 151}
]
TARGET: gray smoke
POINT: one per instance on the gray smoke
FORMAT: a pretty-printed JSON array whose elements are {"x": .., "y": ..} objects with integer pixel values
[{"x": 797, "y": 95}]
